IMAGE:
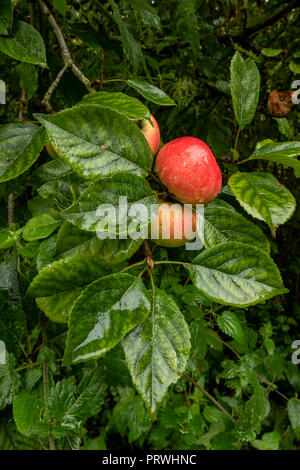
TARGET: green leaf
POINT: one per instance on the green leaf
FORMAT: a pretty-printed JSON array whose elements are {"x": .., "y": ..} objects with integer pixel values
[
  {"x": 222, "y": 223},
  {"x": 82, "y": 253},
  {"x": 148, "y": 14},
  {"x": 294, "y": 415},
  {"x": 271, "y": 440},
  {"x": 89, "y": 401},
  {"x": 98, "y": 142},
  {"x": 269, "y": 52},
  {"x": 157, "y": 350},
  {"x": 46, "y": 252},
  {"x": 11, "y": 439},
  {"x": 60, "y": 398},
  {"x": 10, "y": 381},
  {"x": 294, "y": 67},
  {"x": 229, "y": 323},
  {"x": 20, "y": 146},
  {"x": 95, "y": 39},
  {"x": 244, "y": 84},
  {"x": 257, "y": 407},
  {"x": 151, "y": 92},
  {"x": 39, "y": 206},
  {"x": 6, "y": 239},
  {"x": 58, "y": 307},
  {"x": 130, "y": 414},
  {"x": 284, "y": 128},
  {"x": 223, "y": 86},
  {"x": 6, "y": 17},
  {"x": 131, "y": 48},
  {"x": 58, "y": 191},
  {"x": 112, "y": 306},
  {"x": 85, "y": 213},
  {"x": 119, "y": 102},
  {"x": 51, "y": 171},
  {"x": 115, "y": 369},
  {"x": 66, "y": 274},
  {"x": 29, "y": 250},
  {"x": 26, "y": 411},
  {"x": 71, "y": 241},
  {"x": 61, "y": 6},
  {"x": 213, "y": 414},
  {"x": 237, "y": 274},
  {"x": 26, "y": 44},
  {"x": 39, "y": 227},
  {"x": 263, "y": 197},
  {"x": 32, "y": 376},
  {"x": 13, "y": 327},
  {"x": 279, "y": 152},
  {"x": 9, "y": 276}
]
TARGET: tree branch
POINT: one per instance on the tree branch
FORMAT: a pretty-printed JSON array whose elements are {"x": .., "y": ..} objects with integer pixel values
[{"x": 66, "y": 57}]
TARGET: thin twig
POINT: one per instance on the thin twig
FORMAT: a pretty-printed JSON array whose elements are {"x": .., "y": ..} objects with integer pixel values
[
  {"x": 46, "y": 395},
  {"x": 31, "y": 11},
  {"x": 218, "y": 405},
  {"x": 66, "y": 57},
  {"x": 10, "y": 209},
  {"x": 139, "y": 263},
  {"x": 77, "y": 72},
  {"x": 47, "y": 97},
  {"x": 205, "y": 392}
]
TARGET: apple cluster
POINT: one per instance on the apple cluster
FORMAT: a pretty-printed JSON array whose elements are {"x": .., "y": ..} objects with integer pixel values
[{"x": 187, "y": 168}]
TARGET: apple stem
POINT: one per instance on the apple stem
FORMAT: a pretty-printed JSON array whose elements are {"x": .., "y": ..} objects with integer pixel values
[{"x": 148, "y": 254}]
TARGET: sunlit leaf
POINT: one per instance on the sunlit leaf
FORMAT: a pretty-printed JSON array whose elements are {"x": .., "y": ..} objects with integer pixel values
[
  {"x": 236, "y": 274},
  {"x": 103, "y": 314},
  {"x": 158, "y": 349},
  {"x": 97, "y": 141},
  {"x": 263, "y": 197},
  {"x": 244, "y": 84}
]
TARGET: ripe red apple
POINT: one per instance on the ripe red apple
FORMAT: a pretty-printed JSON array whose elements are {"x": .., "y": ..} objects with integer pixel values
[
  {"x": 174, "y": 225},
  {"x": 187, "y": 167},
  {"x": 51, "y": 150},
  {"x": 151, "y": 133}
]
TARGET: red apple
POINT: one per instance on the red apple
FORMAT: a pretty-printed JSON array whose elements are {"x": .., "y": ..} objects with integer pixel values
[
  {"x": 174, "y": 225},
  {"x": 187, "y": 167},
  {"x": 151, "y": 133}
]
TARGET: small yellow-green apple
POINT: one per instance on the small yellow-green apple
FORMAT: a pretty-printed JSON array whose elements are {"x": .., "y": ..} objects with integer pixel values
[
  {"x": 151, "y": 133},
  {"x": 174, "y": 225},
  {"x": 187, "y": 167}
]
